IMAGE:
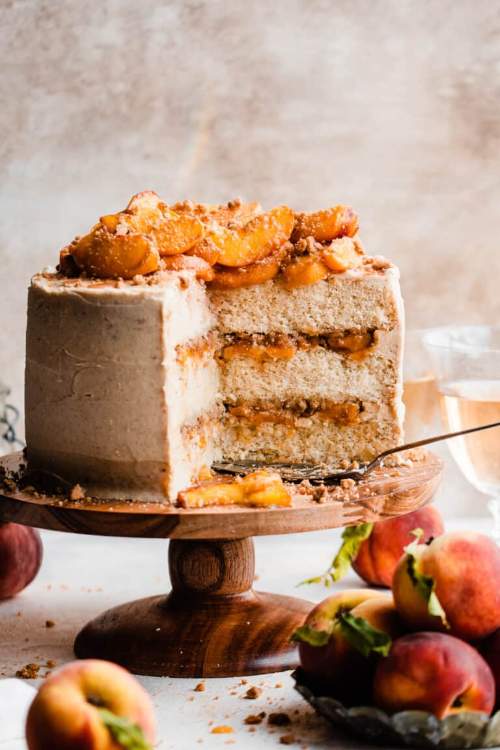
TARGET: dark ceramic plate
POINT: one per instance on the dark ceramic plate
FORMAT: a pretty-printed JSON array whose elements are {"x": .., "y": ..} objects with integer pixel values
[{"x": 407, "y": 728}]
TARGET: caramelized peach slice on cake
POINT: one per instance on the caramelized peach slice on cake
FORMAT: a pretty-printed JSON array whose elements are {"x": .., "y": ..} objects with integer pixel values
[
  {"x": 255, "y": 273},
  {"x": 232, "y": 212},
  {"x": 111, "y": 256},
  {"x": 326, "y": 225},
  {"x": 342, "y": 254},
  {"x": 175, "y": 233},
  {"x": 254, "y": 240},
  {"x": 259, "y": 489},
  {"x": 303, "y": 271}
]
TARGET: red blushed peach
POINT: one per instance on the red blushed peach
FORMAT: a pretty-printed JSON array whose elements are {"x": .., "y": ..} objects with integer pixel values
[
  {"x": 451, "y": 584},
  {"x": 379, "y": 554},
  {"x": 77, "y": 706},
  {"x": 21, "y": 553},
  {"x": 340, "y": 638},
  {"x": 433, "y": 672}
]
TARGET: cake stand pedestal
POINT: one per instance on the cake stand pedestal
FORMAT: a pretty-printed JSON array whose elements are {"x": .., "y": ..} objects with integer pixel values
[{"x": 212, "y": 624}]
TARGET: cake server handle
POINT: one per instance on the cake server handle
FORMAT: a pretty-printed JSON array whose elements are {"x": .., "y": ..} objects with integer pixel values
[{"x": 425, "y": 441}]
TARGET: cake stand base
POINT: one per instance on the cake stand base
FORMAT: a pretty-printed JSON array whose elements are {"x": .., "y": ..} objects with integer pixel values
[{"x": 212, "y": 624}]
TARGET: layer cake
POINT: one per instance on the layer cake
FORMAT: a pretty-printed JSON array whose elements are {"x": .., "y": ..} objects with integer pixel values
[{"x": 170, "y": 337}]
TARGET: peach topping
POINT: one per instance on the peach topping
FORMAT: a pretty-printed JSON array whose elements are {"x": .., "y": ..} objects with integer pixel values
[
  {"x": 261, "y": 488},
  {"x": 326, "y": 225},
  {"x": 255, "y": 240},
  {"x": 230, "y": 246}
]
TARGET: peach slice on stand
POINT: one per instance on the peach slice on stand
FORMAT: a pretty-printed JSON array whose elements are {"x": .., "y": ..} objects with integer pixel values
[
  {"x": 254, "y": 240},
  {"x": 326, "y": 225},
  {"x": 259, "y": 489}
]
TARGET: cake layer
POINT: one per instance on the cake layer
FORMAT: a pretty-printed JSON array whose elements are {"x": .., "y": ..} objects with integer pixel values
[
  {"x": 315, "y": 372},
  {"x": 107, "y": 395},
  {"x": 363, "y": 298},
  {"x": 311, "y": 439}
]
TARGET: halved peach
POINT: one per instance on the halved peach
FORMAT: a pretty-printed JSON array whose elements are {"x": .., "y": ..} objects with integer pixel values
[
  {"x": 259, "y": 489},
  {"x": 341, "y": 255},
  {"x": 255, "y": 240},
  {"x": 204, "y": 271},
  {"x": 326, "y": 225},
  {"x": 303, "y": 271},
  {"x": 255, "y": 273},
  {"x": 111, "y": 256}
]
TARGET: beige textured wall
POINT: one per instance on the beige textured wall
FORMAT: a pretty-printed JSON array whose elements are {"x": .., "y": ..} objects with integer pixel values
[{"x": 391, "y": 105}]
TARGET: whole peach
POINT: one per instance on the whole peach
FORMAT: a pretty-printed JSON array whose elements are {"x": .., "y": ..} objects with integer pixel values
[
  {"x": 378, "y": 555},
  {"x": 65, "y": 714},
  {"x": 21, "y": 553},
  {"x": 328, "y": 654},
  {"x": 433, "y": 672},
  {"x": 451, "y": 584}
]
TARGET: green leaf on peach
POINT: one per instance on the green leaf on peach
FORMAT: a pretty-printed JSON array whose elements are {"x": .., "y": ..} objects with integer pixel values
[
  {"x": 306, "y": 634},
  {"x": 425, "y": 585},
  {"x": 127, "y": 734},
  {"x": 352, "y": 539},
  {"x": 364, "y": 637}
]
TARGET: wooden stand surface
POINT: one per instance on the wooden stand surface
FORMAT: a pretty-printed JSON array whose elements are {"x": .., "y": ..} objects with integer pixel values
[{"x": 212, "y": 624}]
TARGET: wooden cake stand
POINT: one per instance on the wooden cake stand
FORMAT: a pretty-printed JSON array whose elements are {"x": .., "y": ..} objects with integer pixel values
[{"x": 212, "y": 624}]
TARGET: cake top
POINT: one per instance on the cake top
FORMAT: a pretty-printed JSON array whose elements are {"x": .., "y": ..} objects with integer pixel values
[{"x": 227, "y": 246}]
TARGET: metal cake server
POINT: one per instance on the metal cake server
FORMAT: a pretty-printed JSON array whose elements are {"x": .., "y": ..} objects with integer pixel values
[{"x": 321, "y": 474}]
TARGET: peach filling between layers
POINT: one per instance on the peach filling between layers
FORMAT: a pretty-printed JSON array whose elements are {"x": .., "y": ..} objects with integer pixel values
[
  {"x": 345, "y": 413},
  {"x": 262, "y": 347}
]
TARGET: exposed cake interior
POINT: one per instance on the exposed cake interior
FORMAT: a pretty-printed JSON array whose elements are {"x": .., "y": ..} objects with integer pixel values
[{"x": 171, "y": 337}]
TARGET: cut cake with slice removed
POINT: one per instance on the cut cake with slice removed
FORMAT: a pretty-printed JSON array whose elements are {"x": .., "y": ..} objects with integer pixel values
[{"x": 158, "y": 347}]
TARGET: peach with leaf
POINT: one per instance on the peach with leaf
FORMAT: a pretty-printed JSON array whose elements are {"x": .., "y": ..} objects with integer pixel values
[
  {"x": 450, "y": 584},
  {"x": 342, "y": 638}
]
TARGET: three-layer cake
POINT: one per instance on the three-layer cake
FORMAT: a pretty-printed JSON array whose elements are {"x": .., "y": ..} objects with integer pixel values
[{"x": 174, "y": 336}]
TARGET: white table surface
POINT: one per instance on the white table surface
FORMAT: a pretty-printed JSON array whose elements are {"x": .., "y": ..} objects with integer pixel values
[{"x": 81, "y": 576}]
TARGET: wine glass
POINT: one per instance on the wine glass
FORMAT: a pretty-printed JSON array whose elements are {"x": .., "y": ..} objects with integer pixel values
[
  {"x": 466, "y": 362},
  {"x": 420, "y": 395}
]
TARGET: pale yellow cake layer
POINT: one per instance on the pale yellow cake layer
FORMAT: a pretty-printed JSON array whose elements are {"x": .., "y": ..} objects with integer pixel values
[
  {"x": 316, "y": 373},
  {"x": 314, "y": 440},
  {"x": 355, "y": 300}
]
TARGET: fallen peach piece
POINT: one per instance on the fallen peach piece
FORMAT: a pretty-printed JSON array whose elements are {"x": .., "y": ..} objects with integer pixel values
[
  {"x": 433, "y": 672},
  {"x": 259, "y": 489},
  {"x": 327, "y": 224},
  {"x": 254, "y": 240}
]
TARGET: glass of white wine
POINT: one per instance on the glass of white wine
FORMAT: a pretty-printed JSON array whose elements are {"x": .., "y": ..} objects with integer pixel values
[{"x": 466, "y": 361}]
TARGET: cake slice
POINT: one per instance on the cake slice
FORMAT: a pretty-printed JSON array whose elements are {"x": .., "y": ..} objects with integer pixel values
[{"x": 171, "y": 337}]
